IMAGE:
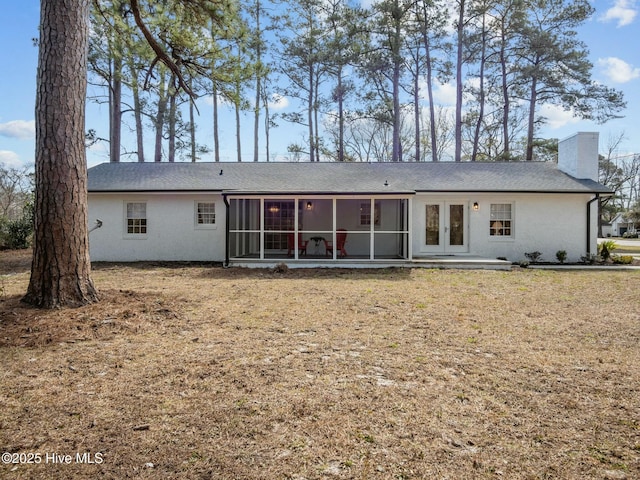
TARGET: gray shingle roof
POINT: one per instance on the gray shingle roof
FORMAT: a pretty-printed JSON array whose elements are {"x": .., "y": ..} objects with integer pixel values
[{"x": 346, "y": 178}]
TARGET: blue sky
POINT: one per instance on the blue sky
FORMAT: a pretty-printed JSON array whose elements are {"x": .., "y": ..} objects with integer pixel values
[{"x": 611, "y": 36}]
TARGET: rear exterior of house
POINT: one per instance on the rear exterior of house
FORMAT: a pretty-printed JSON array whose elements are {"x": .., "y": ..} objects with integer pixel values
[{"x": 267, "y": 213}]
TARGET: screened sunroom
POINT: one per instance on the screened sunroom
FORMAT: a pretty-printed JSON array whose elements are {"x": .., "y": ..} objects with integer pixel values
[{"x": 319, "y": 227}]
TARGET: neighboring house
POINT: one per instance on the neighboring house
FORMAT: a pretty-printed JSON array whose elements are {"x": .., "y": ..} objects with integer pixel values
[
  {"x": 390, "y": 213},
  {"x": 621, "y": 225}
]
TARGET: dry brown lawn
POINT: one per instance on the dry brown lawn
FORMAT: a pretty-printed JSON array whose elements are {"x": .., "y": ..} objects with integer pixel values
[{"x": 197, "y": 372}]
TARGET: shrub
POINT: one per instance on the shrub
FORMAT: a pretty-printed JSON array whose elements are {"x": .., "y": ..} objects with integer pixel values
[
  {"x": 589, "y": 258},
  {"x": 523, "y": 264},
  {"x": 605, "y": 248},
  {"x": 533, "y": 256},
  {"x": 4, "y": 232},
  {"x": 561, "y": 255},
  {"x": 281, "y": 268},
  {"x": 622, "y": 259},
  {"x": 19, "y": 233}
]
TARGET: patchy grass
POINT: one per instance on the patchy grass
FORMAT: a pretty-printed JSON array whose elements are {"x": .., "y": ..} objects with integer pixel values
[{"x": 194, "y": 371}]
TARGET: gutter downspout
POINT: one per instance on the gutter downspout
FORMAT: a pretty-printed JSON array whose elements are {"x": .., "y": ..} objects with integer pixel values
[
  {"x": 597, "y": 197},
  {"x": 226, "y": 232}
]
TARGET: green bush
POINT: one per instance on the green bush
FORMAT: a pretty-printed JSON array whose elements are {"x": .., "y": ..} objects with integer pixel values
[
  {"x": 561, "y": 255},
  {"x": 19, "y": 233},
  {"x": 4, "y": 232},
  {"x": 605, "y": 248},
  {"x": 533, "y": 256}
]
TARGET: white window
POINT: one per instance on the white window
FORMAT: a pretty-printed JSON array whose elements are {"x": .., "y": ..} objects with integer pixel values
[
  {"x": 205, "y": 213},
  {"x": 501, "y": 221},
  {"x": 365, "y": 214},
  {"x": 137, "y": 218}
]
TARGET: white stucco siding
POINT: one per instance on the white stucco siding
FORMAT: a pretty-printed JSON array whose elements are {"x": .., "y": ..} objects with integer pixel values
[
  {"x": 172, "y": 230},
  {"x": 540, "y": 222}
]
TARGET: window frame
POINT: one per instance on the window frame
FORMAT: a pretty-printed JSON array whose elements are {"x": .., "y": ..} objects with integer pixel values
[
  {"x": 142, "y": 226},
  {"x": 196, "y": 210},
  {"x": 499, "y": 216},
  {"x": 364, "y": 219}
]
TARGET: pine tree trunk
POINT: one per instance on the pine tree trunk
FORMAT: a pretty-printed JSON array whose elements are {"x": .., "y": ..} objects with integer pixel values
[
  {"x": 340, "y": 89},
  {"x": 506, "y": 100},
  {"x": 531, "y": 120},
  {"x": 312, "y": 149},
  {"x": 481, "y": 95},
  {"x": 173, "y": 107},
  {"x": 192, "y": 130},
  {"x": 238, "y": 138},
  {"x": 267, "y": 119},
  {"x": 61, "y": 270},
  {"x": 216, "y": 139},
  {"x": 432, "y": 110},
  {"x": 416, "y": 108},
  {"x": 457, "y": 156},
  {"x": 115, "y": 111},
  {"x": 160, "y": 118}
]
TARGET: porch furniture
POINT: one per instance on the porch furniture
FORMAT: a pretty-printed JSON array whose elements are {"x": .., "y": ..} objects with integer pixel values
[
  {"x": 316, "y": 241},
  {"x": 341, "y": 239},
  {"x": 302, "y": 245}
]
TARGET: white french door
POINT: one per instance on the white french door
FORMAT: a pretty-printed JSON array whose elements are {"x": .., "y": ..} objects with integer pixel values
[{"x": 445, "y": 227}]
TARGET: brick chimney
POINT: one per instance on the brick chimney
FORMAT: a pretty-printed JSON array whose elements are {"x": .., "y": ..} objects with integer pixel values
[{"x": 578, "y": 155}]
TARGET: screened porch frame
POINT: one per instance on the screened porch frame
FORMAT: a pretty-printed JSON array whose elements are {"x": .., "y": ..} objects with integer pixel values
[{"x": 245, "y": 237}]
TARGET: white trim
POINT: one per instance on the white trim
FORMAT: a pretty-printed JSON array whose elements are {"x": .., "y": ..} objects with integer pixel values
[
  {"x": 404, "y": 249},
  {"x": 443, "y": 246},
  {"x": 125, "y": 221},
  {"x": 205, "y": 226},
  {"x": 502, "y": 238}
]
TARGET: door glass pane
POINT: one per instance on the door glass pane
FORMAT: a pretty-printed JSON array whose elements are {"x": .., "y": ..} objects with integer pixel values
[
  {"x": 456, "y": 224},
  {"x": 433, "y": 225},
  {"x": 278, "y": 220}
]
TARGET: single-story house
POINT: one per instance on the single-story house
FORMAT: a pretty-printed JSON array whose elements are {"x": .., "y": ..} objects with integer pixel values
[
  {"x": 346, "y": 214},
  {"x": 620, "y": 225}
]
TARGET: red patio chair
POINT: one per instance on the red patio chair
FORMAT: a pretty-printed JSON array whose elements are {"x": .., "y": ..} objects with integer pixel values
[
  {"x": 302, "y": 245},
  {"x": 341, "y": 239}
]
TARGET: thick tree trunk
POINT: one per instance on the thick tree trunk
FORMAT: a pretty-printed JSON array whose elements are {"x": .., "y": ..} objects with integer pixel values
[{"x": 61, "y": 270}]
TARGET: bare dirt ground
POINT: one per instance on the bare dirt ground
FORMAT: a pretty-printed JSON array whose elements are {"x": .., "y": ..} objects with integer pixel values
[{"x": 196, "y": 372}]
